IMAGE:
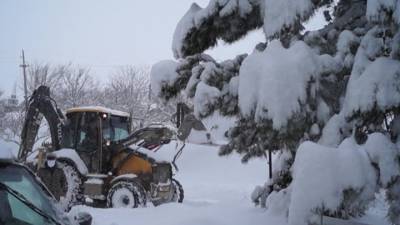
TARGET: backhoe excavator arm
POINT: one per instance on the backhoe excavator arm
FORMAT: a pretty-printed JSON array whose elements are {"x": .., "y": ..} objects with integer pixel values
[{"x": 41, "y": 104}]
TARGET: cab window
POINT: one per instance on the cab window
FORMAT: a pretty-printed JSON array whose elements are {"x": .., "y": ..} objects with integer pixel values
[
  {"x": 87, "y": 132},
  {"x": 115, "y": 128}
]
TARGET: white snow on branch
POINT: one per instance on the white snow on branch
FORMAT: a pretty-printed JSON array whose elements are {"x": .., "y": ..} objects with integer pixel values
[
  {"x": 243, "y": 6},
  {"x": 205, "y": 96},
  {"x": 196, "y": 15},
  {"x": 163, "y": 73},
  {"x": 332, "y": 132},
  {"x": 379, "y": 10},
  {"x": 273, "y": 83},
  {"x": 345, "y": 40},
  {"x": 385, "y": 154},
  {"x": 378, "y": 86},
  {"x": 183, "y": 27},
  {"x": 284, "y": 13}
]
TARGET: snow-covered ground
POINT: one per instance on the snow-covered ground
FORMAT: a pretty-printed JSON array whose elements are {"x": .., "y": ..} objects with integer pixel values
[{"x": 217, "y": 192}]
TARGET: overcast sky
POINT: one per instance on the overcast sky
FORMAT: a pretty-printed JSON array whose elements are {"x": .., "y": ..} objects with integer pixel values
[{"x": 100, "y": 34}]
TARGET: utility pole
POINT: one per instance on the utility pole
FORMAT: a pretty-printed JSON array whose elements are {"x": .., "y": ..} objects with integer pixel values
[{"x": 24, "y": 65}]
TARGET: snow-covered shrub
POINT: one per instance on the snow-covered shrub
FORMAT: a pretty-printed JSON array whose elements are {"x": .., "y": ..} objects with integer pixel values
[
  {"x": 334, "y": 181},
  {"x": 342, "y": 181}
]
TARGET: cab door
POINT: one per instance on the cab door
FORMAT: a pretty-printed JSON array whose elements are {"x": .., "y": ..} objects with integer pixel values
[{"x": 88, "y": 140}]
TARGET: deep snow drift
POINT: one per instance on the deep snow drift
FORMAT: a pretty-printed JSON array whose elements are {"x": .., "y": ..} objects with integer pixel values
[{"x": 217, "y": 192}]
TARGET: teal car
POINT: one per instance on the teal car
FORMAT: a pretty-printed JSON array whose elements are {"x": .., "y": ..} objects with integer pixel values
[{"x": 24, "y": 200}]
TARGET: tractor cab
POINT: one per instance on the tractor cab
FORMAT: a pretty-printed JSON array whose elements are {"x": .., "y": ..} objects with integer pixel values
[{"x": 91, "y": 130}]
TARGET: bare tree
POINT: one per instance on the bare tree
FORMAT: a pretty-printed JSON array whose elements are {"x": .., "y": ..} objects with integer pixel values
[
  {"x": 42, "y": 74},
  {"x": 11, "y": 126},
  {"x": 12, "y": 122},
  {"x": 77, "y": 86},
  {"x": 71, "y": 86},
  {"x": 129, "y": 90},
  {"x": 2, "y": 111}
]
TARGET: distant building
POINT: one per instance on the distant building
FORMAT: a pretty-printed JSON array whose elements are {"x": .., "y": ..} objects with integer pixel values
[{"x": 12, "y": 102}]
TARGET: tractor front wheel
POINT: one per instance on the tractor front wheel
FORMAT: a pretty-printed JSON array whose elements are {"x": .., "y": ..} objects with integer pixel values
[{"x": 126, "y": 194}]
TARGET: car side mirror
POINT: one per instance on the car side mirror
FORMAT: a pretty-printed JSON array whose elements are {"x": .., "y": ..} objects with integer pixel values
[{"x": 83, "y": 218}]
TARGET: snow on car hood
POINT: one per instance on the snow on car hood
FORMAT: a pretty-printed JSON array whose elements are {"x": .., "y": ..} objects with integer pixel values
[{"x": 6, "y": 154}]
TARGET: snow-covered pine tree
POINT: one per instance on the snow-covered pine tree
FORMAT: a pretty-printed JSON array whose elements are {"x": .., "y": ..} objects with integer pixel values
[{"x": 338, "y": 86}]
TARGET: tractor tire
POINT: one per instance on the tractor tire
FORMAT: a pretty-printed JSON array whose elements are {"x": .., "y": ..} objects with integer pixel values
[
  {"x": 64, "y": 182},
  {"x": 179, "y": 193},
  {"x": 126, "y": 194}
]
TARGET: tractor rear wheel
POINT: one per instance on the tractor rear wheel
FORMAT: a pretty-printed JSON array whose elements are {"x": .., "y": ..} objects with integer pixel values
[
  {"x": 126, "y": 194},
  {"x": 178, "y": 194},
  {"x": 64, "y": 182}
]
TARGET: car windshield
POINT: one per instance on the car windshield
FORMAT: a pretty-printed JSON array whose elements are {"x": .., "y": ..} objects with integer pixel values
[{"x": 15, "y": 212}]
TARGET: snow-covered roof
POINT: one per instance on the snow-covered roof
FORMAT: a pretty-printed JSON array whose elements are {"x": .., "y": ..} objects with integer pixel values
[{"x": 98, "y": 109}]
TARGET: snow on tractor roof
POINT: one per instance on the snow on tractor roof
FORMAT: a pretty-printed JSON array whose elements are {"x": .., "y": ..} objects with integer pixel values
[{"x": 98, "y": 109}]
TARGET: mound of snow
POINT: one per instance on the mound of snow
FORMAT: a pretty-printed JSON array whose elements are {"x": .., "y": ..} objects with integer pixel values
[
  {"x": 198, "y": 137},
  {"x": 321, "y": 174},
  {"x": 6, "y": 154}
]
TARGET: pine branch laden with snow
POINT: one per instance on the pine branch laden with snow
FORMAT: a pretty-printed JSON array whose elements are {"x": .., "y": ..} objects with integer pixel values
[
  {"x": 337, "y": 86},
  {"x": 229, "y": 20},
  {"x": 209, "y": 84},
  {"x": 266, "y": 80},
  {"x": 284, "y": 17},
  {"x": 383, "y": 11}
]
